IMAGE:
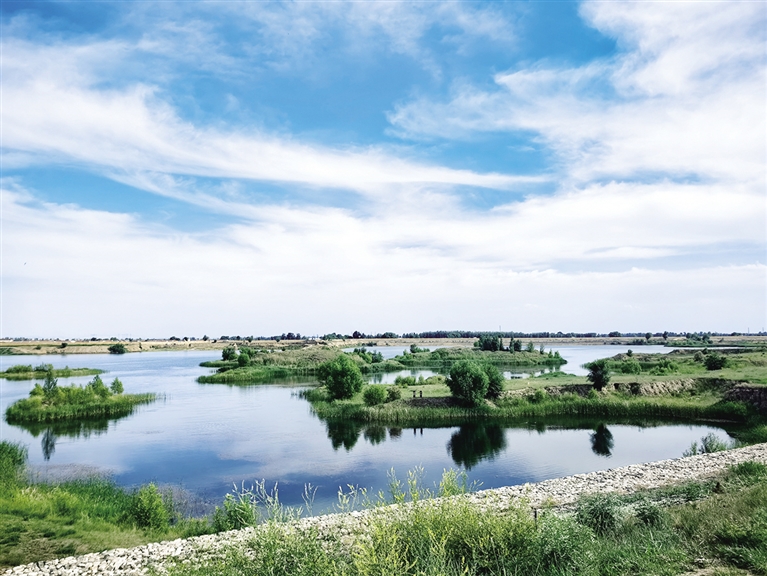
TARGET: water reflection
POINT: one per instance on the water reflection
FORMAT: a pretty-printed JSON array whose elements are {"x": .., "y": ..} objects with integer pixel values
[
  {"x": 475, "y": 442},
  {"x": 51, "y": 432},
  {"x": 343, "y": 433},
  {"x": 602, "y": 441}
]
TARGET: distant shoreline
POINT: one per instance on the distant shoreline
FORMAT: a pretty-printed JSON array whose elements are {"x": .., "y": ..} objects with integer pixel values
[{"x": 62, "y": 347}]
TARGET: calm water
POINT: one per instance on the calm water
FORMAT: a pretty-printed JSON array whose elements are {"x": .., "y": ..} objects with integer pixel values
[{"x": 205, "y": 437}]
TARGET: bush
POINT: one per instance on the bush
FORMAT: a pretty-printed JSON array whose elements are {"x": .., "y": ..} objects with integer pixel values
[
  {"x": 19, "y": 369},
  {"x": 664, "y": 366},
  {"x": 341, "y": 377},
  {"x": 50, "y": 385},
  {"x": 118, "y": 348},
  {"x": 599, "y": 373},
  {"x": 714, "y": 361},
  {"x": 495, "y": 381},
  {"x": 405, "y": 381},
  {"x": 393, "y": 393},
  {"x": 630, "y": 366},
  {"x": 599, "y": 512},
  {"x": 468, "y": 383},
  {"x": 650, "y": 514},
  {"x": 374, "y": 395},
  {"x": 228, "y": 354},
  {"x": 147, "y": 509}
]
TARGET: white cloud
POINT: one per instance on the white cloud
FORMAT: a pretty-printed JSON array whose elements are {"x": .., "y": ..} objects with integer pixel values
[
  {"x": 685, "y": 98},
  {"x": 51, "y": 109},
  {"x": 84, "y": 272}
]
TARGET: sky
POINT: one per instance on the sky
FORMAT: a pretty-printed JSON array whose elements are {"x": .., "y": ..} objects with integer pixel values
[{"x": 253, "y": 168}]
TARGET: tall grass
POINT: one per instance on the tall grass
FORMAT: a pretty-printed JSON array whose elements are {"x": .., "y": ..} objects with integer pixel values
[
  {"x": 35, "y": 410},
  {"x": 452, "y": 537},
  {"x": 40, "y": 521}
]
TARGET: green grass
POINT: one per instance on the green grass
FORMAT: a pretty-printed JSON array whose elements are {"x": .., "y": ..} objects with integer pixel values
[
  {"x": 41, "y": 521},
  {"x": 727, "y": 529},
  {"x": 21, "y": 372},
  {"x": 443, "y": 358},
  {"x": 67, "y": 403}
]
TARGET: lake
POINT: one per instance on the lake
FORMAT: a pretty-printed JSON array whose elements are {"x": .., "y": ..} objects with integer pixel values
[{"x": 203, "y": 438}]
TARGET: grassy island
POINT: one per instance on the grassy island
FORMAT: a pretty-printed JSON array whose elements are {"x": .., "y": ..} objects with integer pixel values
[
  {"x": 27, "y": 372},
  {"x": 684, "y": 385},
  {"x": 247, "y": 365},
  {"x": 52, "y": 403}
]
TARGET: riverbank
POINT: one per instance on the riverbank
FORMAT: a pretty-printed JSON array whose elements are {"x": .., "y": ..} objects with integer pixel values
[
  {"x": 349, "y": 527},
  {"x": 43, "y": 347}
]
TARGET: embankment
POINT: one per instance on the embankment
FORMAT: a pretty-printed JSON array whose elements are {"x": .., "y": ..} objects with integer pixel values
[{"x": 560, "y": 491}]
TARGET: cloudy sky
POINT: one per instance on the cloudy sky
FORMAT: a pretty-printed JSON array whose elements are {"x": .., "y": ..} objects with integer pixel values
[{"x": 263, "y": 167}]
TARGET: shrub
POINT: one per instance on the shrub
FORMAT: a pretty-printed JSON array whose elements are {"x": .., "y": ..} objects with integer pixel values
[
  {"x": 468, "y": 383},
  {"x": 374, "y": 395},
  {"x": 599, "y": 373},
  {"x": 495, "y": 381},
  {"x": 393, "y": 393},
  {"x": 341, "y": 377},
  {"x": 664, "y": 366},
  {"x": 599, "y": 512},
  {"x": 19, "y": 369},
  {"x": 116, "y": 386},
  {"x": 243, "y": 360},
  {"x": 630, "y": 366},
  {"x": 147, "y": 509},
  {"x": 714, "y": 361},
  {"x": 228, "y": 354},
  {"x": 650, "y": 514},
  {"x": 118, "y": 348},
  {"x": 405, "y": 381}
]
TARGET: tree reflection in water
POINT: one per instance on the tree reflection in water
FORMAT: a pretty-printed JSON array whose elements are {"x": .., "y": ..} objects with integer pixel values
[
  {"x": 602, "y": 441},
  {"x": 48, "y": 443},
  {"x": 343, "y": 433},
  {"x": 475, "y": 442}
]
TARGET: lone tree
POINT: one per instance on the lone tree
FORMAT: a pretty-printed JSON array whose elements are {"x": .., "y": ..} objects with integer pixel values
[
  {"x": 118, "y": 348},
  {"x": 341, "y": 377},
  {"x": 468, "y": 383},
  {"x": 599, "y": 373}
]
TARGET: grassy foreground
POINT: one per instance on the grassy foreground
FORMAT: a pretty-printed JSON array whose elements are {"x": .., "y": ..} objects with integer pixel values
[
  {"x": 636, "y": 535},
  {"x": 41, "y": 521}
]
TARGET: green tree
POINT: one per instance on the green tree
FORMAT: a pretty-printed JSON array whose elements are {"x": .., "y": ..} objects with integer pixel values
[
  {"x": 599, "y": 373},
  {"x": 116, "y": 386},
  {"x": 341, "y": 377},
  {"x": 118, "y": 348},
  {"x": 495, "y": 381},
  {"x": 229, "y": 353},
  {"x": 468, "y": 383},
  {"x": 97, "y": 387},
  {"x": 50, "y": 384}
]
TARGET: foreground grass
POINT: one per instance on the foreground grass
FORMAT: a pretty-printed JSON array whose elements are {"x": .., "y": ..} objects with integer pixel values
[
  {"x": 41, "y": 521},
  {"x": 605, "y": 537}
]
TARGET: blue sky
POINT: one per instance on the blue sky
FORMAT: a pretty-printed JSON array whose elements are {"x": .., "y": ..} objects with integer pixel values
[{"x": 181, "y": 168}]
